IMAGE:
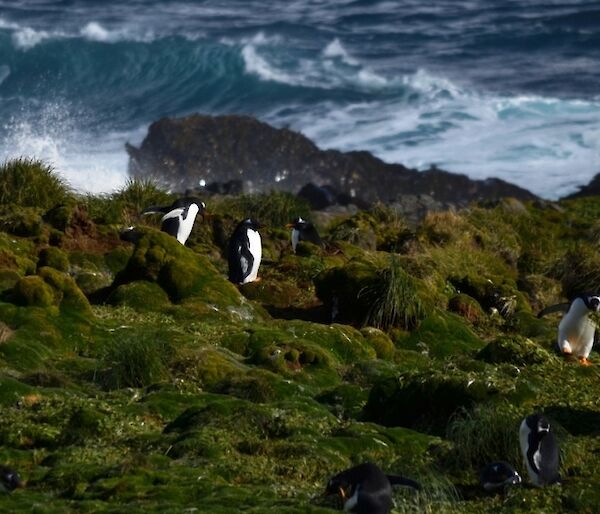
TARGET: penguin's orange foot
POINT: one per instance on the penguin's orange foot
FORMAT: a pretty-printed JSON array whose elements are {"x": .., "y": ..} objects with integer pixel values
[
  {"x": 257, "y": 279},
  {"x": 584, "y": 361},
  {"x": 567, "y": 352}
]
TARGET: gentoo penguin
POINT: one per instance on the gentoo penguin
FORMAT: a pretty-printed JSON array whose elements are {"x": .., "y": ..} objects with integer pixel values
[
  {"x": 365, "y": 489},
  {"x": 498, "y": 475},
  {"x": 540, "y": 450},
  {"x": 179, "y": 217},
  {"x": 9, "y": 480},
  {"x": 244, "y": 252},
  {"x": 576, "y": 330},
  {"x": 303, "y": 230}
]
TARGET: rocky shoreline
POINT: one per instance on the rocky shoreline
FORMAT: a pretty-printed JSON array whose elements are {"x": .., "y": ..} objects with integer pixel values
[{"x": 251, "y": 156}]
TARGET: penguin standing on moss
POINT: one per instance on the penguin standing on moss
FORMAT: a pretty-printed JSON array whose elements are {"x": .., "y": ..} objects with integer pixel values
[
  {"x": 245, "y": 252},
  {"x": 540, "y": 450},
  {"x": 576, "y": 330},
  {"x": 9, "y": 479},
  {"x": 498, "y": 475},
  {"x": 179, "y": 217},
  {"x": 366, "y": 489},
  {"x": 303, "y": 230}
]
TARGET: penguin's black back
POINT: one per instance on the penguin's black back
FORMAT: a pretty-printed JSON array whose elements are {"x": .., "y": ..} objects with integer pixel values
[
  {"x": 309, "y": 233},
  {"x": 9, "y": 479},
  {"x": 238, "y": 247},
  {"x": 545, "y": 444},
  {"x": 550, "y": 460},
  {"x": 496, "y": 475},
  {"x": 375, "y": 491}
]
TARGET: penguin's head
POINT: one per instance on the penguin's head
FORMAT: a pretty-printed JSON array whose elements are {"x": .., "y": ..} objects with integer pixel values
[
  {"x": 10, "y": 479},
  {"x": 186, "y": 201},
  {"x": 298, "y": 224},
  {"x": 592, "y": 302},
  {"x": 252, "y": 224},
  {"x": 538, "y": 423},
  {"x": 341, "y": 486}
]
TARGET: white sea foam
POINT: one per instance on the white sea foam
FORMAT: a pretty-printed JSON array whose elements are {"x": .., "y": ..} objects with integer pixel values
[
  {"x": 26, "y": 38},
  {"x": 89, "y": 163},
  {"x": 546, "y": 145},
  {"x": 331, "y": 68},
  {"x": 94, "y": 31},
  {"x": 335, "y": 49}
]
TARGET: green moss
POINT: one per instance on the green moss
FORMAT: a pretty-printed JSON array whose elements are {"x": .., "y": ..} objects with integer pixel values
[
  {"x": 380, "y": 341},
  {"x": 21, "y": 221},
  {"x": 516, "y": 350},
  {"x": 54, "y": 258},
  {"x": 467, "y": 307},
  {"x": 181, "y": 273},
  {"x": 83, "y": 425},
  {"x": 34, "y": 291},
  {"x": 427, "y": 399},
  {"x": 66, "y": 293},
  {"x": 442, "y": 334},
  {"x": 140, "y": 295}
]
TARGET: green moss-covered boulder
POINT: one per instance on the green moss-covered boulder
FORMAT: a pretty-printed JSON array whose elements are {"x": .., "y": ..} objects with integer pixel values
[
  {"x": 8, "y": 279},
  {"x": 515, "y": 349},
  {"x": 54, "y": 258},
  {"x": 33, "y": 291},
  {"x": 67, "y": 295},
  {"x": 83, "y": 425},
  {"x": 140, "y": 295},
  {"x": 182, "y": 274},
  {"x": 427, "y": 399},
  {"x": 466, "y": 307},
  {"x": 442, "y": 334},
  {"x": 380, "y": 341}
]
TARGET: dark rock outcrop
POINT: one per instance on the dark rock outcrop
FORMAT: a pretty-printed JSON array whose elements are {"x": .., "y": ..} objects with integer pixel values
[
  {"x": 591, "y": 189},
  {"x": 186, "y": 152}
]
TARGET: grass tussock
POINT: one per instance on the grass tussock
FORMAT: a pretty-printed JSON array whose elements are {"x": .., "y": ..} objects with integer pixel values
[
  {"x": 394, "y": 298},
  {"x": 137, "y": 360},
  {"x": 437, "y": 495},
  {"x": 485, "y": 434},
  {"x": 274, "y": 209},
  {"x": 32, "y": 183}
]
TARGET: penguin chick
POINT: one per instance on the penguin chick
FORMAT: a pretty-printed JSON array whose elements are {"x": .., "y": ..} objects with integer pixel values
[
  {"x": 179, "y": 217},
  {"x": 303, "y": 230},
  {"x": 244, "y": 252},
  {"x": 9, "y": 479},
  {"x": 576, "y": 330},
  {"x": 540, "y": 450},
  {"x": 365, "y": 489},
  {"x": 498, "y": 475}
]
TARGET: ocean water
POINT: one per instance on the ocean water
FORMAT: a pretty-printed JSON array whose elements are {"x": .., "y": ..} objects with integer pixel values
[{"x": 499, "y": 88}]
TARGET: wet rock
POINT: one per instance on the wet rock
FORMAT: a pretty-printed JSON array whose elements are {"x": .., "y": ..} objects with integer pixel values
[{"x": 185, "y": 152}]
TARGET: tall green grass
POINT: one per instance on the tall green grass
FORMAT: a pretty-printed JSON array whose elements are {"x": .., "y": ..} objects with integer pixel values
[
  {"x": 394, "y": 298},
  {"x": 32, "y": 183}
]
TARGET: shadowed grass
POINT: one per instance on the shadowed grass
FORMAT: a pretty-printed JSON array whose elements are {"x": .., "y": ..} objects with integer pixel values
[{"x": 485, "y": 434}]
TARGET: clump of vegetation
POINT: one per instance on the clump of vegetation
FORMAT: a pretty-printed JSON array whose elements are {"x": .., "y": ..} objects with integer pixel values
[
  {"x": 394, "y": 298},
  {"x": 274, "y": 209},
  {"x": 32, "y": 183},
  {"x": 136, "y": 359},
  {"x": 485, "y": 434}
]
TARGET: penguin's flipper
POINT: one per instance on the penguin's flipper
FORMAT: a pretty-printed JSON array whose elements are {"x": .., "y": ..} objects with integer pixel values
[
  {"x": 156, "y": 209},
  {"x": 559, "y": 307},
  {"x": 403, "y": 481},
  {"x": 247, "y": 260}
]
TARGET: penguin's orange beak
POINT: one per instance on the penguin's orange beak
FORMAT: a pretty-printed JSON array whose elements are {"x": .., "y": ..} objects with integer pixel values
[
  {"x": 289, "y": 225},
  {"x": 342, "y": 494}
]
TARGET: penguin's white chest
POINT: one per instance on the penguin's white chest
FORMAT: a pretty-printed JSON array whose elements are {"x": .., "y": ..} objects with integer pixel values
[
  {"x": 255, "y": 247},
  {"x": 295, "y": 238},
  {"x": 577, "y": 330}
]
